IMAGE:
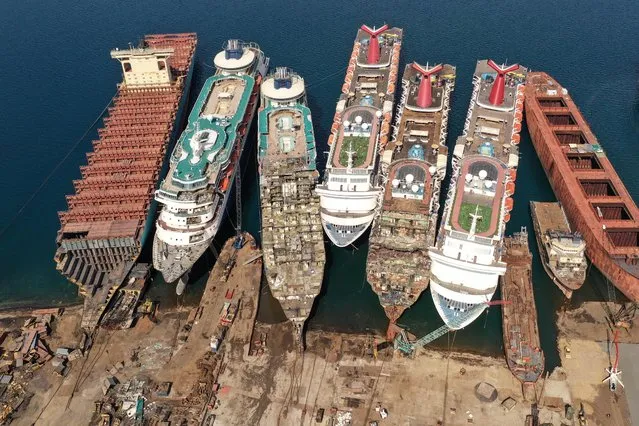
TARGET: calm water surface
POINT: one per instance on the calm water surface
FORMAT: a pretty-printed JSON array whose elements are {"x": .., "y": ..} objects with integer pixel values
[{"x": 57, "y": 76}]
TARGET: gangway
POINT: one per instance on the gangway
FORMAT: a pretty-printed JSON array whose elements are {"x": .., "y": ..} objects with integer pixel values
[{"x": 402, "y": 343}]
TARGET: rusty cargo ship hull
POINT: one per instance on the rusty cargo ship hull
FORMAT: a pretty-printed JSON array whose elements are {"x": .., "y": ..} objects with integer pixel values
[
  {"x": 398, "y": 266},
  {"x": 583, "y": 179},
  {"x": 112, "y": 212},
  {"x": 519, "y": 314}
]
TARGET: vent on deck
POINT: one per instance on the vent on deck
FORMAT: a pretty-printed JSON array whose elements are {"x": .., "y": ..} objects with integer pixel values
[
  {"x": 584, "y": 161},
  {"x": 575, "y": 137},
  {"x": 561, "y": 119},
  {"x": 552, "y": 103},
  {"x": 624, "y": 238},
  {"x": 612, "y": 211},
  {"x": 598, "y": 187}
]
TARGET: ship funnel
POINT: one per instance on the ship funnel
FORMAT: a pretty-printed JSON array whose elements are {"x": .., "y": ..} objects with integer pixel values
[
  {"x": 373, "y": 43},
  {"x": 282, "y": 78},
  {"x": 234, "y": 49},
  {"x": 497, "y": 92},
  {"x": 425, "y": 95}
]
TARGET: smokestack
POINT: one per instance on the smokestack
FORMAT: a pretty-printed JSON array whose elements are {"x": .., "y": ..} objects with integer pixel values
[
  {"x": 425, "y": 94},
  {"x": 373, "y": 44},
  {"x": 497, "y": 92}
]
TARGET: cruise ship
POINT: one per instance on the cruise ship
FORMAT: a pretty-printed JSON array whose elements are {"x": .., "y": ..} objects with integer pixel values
[
  {"x": 350, "y": 192},
  {"x": 398, "y": 267},
  {"x": 466, "y": 259},
  {"x": 203, "y": 164},
  {"x": 292, "y": 237}
]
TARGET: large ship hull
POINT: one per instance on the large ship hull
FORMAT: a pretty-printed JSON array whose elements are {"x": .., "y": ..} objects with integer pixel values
[
  {"x": 593, "y": 196},
  {"x": 466, "y": 258},
  {"x": 177, "y": 244},
  {"x": 114, "y": 223},
  {"x": 351, "y": 190},
  {"x": 398, "y": 265}
]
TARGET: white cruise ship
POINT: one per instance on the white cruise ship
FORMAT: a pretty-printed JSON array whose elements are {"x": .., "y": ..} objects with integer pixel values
[
  {"x": 467, "y": 255},
  {"x": 351, "y": 190},
  {"x": 196, "y": 190}
]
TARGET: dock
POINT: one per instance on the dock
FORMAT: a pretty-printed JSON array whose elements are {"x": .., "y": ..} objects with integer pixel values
[
  {"x": 562, "y": 250},
  {"x": 519, "y": 314}
]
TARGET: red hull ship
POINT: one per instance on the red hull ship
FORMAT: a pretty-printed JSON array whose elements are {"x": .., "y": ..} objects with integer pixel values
[{"x": 595, "y": 200}]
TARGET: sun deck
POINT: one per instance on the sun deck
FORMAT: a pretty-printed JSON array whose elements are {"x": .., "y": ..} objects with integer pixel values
[
  {"x": 286, "y": 133},
  {"x": 207, "y": 143},
  {"x": 356, "y": 141}
]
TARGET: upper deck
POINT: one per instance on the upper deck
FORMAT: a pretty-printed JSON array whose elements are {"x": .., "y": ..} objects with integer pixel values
[
  {"x": 419, "y": 148},
  {"x": 487, "y": 151},
  {"x": 206, "y": 146},
  {"x": 365, "y": 106}
]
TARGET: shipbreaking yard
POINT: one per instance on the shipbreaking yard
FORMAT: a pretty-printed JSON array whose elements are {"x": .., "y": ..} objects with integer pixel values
[{"x": 260, "y": 378}]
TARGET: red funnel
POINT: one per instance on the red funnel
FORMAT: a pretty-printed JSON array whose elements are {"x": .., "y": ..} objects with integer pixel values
[
  {"x": 497, "y": 92},
  {"x": 425, "y": 94},
  {"x": 373, "y": 44}
]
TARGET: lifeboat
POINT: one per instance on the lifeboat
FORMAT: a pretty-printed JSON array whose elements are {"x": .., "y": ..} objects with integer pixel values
[
  {"x": 507, "y": 218},
  {"x": 391, "y": 88},
  {"x": 345, "y": 88},
  {"x": 519, "y": 115},
  {"x": 335, "y": 127},
  {"x": 513, "y": 174},
  {"x": 225, "y": 183},
  {"x": 518, "y": 127},
  {"x": 510, "y": 188},
  {"x": 515, "y": 139},
  {"x": 331, "y": 137},
  {"x": 508, "y": 204}
]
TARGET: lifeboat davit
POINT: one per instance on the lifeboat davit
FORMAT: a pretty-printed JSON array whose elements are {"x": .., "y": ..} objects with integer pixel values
[
  {"x": 508, "y": 205},
  {"x": 510, "y": 188}
]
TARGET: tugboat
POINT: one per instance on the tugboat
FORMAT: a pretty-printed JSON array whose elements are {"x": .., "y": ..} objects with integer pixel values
[
  {"x": 398, "y": 266},
  {"x": 562, "y": 251}
]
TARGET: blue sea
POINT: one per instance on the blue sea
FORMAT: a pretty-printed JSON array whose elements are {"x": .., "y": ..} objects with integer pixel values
[{"x": 57, "y": 77}]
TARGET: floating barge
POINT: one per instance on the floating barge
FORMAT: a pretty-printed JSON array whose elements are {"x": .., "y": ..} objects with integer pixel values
[
  {"x": 292, "y": 236},
  {"x": 562, "y": 251},
  {"x": 111, "y": 214},
  {"x": 519, "y": 314},
  {"x": 398, "y": 266},
  {"x": 593, "y": 196}
]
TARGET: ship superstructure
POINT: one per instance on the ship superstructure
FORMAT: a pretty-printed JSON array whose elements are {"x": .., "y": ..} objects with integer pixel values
[
  {"x": 563, "y": 252},
  {"x": 584, "y": 180},
  {"x": 466, "y": 258},
  {"x": 112, "y": 211},
  {"x": 292, "y": 237},
  {"x": 398, "y": 266},
  {"x": 350, "y": 192},
  {"x": 203, "y": 164}
]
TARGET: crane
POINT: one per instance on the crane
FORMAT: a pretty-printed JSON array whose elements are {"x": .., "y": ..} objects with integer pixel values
[{"x": 614, "y": 374}]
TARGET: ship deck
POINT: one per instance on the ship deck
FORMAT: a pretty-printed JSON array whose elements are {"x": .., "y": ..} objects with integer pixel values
[
  {"x": 208, "y": 141},
  {"x": 286, "y": 135},
  {"x": 519, "y": 315},
  {"x": 550, "y": 216}
]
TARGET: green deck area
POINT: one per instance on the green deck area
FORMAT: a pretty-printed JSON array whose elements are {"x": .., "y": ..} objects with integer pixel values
[
  {"x": 465, "y": 220},
  {"x": 188, "y": 170},
  {"x": 357, "y": 144}
]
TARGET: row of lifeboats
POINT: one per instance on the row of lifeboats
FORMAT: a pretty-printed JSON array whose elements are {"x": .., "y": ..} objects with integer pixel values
[
  {"x": 352, "y": 63},
  {"x": 337, "y": 120},
  {"x": 392, "y": 78},
  {"x": 514, "y": 139},
  {"x": 383, "y": 134}
]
